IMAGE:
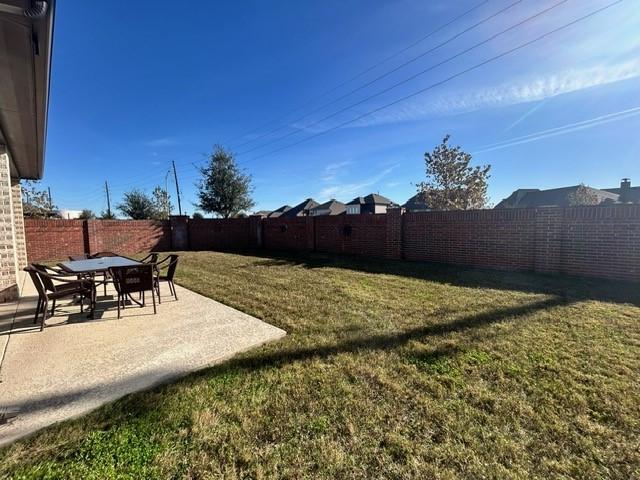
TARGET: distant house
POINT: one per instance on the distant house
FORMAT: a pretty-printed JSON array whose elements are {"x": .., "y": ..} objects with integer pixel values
[
  {"x": 626, "y": 193},
  {"x": 372, "y": 203},
  {"x": 302, "y": 209},
  {"x": 69, "y": 214},
  {"x": 416, "y": 203},
  {"x": 559, "y": 197},
  {"x": 262, "y": 213},
  {"x": 332, "y": 207},
  {"x": 279, "y": 211}
]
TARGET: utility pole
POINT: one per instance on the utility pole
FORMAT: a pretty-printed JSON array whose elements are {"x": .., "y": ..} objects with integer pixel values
[
  {"x": 106, "y": 187},
  {"x": 50, "y": 201},
  {"x": 175, "y": 175}
]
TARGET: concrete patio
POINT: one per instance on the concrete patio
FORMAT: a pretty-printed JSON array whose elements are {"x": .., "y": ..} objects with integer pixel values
[{"x": 75, "y": 365}]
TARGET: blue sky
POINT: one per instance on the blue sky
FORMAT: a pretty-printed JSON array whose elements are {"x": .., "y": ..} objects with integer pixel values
[{"x": 136, "y": 85}]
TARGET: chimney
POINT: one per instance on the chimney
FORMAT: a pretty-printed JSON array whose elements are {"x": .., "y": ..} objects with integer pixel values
[{"x": 625, "y": 189}]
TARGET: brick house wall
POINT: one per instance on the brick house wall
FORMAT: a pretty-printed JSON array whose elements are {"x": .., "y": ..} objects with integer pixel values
[
  {"x": 13, "y": 250},
  {"x": 18, "y": 223},
  {"x": 8, "y": 256}
]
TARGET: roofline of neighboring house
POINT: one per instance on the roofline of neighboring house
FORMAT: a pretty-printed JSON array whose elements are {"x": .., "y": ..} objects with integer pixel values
[{"x": 605, "y": 194}]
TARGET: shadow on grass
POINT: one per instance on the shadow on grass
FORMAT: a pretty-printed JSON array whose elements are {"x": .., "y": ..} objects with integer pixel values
[
  {"x": 570, "y": 287},
  {"x": 260, "y": 360},
  {"x": 391, "y": 340}
]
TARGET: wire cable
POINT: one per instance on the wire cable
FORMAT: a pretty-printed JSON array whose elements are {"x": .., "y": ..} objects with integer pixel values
[
  {"x": 355, "y": 77},
  {"x": 412, "y": 77},
  {"x": 447, "y": 79},
  {"x": 384, "y": 75}
]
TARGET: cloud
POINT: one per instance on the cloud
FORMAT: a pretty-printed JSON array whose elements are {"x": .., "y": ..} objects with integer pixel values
[
  {"x": 561, "y": 130},
  {"x": 332, "y": 170},
  {"x": 519, "y": 91},
  {"x": 345, "y": 190},
  {"x": 161, "y": 142}
]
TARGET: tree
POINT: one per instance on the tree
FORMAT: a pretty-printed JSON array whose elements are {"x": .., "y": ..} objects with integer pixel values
[
  {"x": 197, "y": 216},
  {"x": 137, "y": 205},
  {"x": 451, "y": 183},
  {"x": 86, "y": 214},
  {"x": 162, "y": 203},
  {"x": 107, "y": 215},
  {"x": 223, "y": 189},
  {"x": 582, "y": 196},
  {"x": 35, "y": 202}
]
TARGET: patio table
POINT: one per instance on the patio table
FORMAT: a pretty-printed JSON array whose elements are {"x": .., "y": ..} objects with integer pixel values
[
  {"x": 93, "y": 266},
  {"x": 96, "y": 265}
]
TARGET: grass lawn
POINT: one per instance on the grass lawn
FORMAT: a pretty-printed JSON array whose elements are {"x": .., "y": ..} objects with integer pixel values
[{"x": 389, "y": 370}]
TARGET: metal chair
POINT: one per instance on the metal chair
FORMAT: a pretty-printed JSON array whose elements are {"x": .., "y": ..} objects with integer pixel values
[
  {"x": 136, "y": 279},
  {"x": 151, "y": 258},
  {"x": 43, "y": 279},
  {"x": 168, "y": 265}
]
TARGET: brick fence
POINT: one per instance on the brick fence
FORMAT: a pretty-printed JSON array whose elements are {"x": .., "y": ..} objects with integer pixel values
[
  {"x": 57, "y": 239},
  {"x": 589, "y": 241}
]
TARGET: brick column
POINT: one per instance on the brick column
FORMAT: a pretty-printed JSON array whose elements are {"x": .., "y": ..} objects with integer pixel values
[
  {"x": 179, "y": 232},
  {"x": 255, "y": 231},
  {"x": 393, "y": 238},
  {"x": 548, "y": 253},
  {"x": 93, "y": 236}
]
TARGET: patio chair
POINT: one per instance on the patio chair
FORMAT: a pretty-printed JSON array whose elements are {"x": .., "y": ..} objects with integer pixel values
[
  {"x": 165, "y": 269},
  {"x": 151, "y": 258},
  {"x": 43, "y": 279},
  {"x": 137, "y": 279}
]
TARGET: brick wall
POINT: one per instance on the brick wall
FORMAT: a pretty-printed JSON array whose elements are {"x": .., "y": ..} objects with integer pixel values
[
  {"x": 128, "y": 236},
  {"x": 590, "y": 241},
  {"x": 352, "y": 234},
  {"x": 18, "y": 223},
  {"x": 601, "y": 242},
  {"x": 501, "y": 239},
  {"x": 54, "y": 239},
  {"x": 219, "y": 234},
  {"x": 8, "y": 255},
  {"x": 295, "y": 234}
]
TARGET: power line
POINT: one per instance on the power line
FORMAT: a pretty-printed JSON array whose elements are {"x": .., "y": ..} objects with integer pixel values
[
  {"x": 422, "y": 72},
  {"x": 380, "y": 77},
  {"x": 355, "y": 77},
  {"x": 441, "y": 82}
]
